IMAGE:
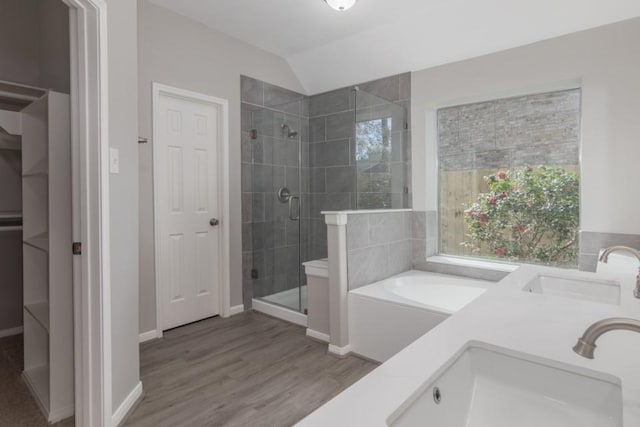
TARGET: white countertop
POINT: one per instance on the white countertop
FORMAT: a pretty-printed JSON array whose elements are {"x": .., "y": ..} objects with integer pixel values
[{"x": 508, "y": 317}]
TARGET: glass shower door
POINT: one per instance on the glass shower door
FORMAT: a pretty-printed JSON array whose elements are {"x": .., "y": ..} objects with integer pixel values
[
  {"x": 381, "y": 153},
  {"x": 276, "y": 206}
]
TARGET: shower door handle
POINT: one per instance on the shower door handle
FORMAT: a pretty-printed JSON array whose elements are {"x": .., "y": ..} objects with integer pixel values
[{"x": 291, "y": 216}]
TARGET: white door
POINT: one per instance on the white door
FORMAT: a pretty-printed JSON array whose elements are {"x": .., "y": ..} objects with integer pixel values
[{"x": 186, "y": 182}]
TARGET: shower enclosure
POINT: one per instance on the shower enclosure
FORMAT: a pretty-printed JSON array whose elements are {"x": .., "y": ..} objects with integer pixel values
[
  {"x": 300, "y": 158},
  {"x": 277, "y": 226}
]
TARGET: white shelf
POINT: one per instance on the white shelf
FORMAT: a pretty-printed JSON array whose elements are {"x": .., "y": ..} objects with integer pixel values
[
  {"x": 40, "y": 168},
  {"x": 4, "y": 215},
  {"x": 47, "y": 260},
  {"x": 37, "y": 380},
  {"x": 39, "y": 241},
  {"x": 40, "y": 312}
]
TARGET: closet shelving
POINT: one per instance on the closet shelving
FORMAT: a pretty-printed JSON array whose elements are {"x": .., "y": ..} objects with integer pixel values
[{"x": 43, "y": 123}]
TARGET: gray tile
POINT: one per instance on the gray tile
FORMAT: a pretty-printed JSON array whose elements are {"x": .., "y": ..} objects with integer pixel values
[
  {"x": 334, "y": 153},
  {"x": 246, "y": 180},
  {"x": 246, "y": 207},
  {"x": 318, "y": 230},
  {"x": 317, "y": 129},
  {"x": 317, "y": 180},
  {"x": 386, "y": 227},
  {"x": 400, "y": 254},
  {"x": 292, "y": 232},
  {"x": 387, "y": 88},
  {"x": 593, "y": 242},
  {"x": 337, "y": 202},
  {"x": 329, "y": 102},
  {"x": 588, "y": 262},
  {"x": 367, "y": 265},
  {"x": 357, "y": 231},
  {"x": 341, "y": 179},
  {"x": 247, "y": 237},
  {"x": 246, "y": 118},
  {"x": 292, "y": 179},
  {"x": 341, "y": 125},
  {"x": 282, "y": 99},
  {"x": 268, "y": 122},
  {"x": 432, "y": 247},
  {"x": 257, "y": 209},
  {"x": 304, "y": 130},
  {"x": 419, "y": 226},
  {"x": 408, "y": 225},
  {"x": 285, "y": 152},
  {"x": 432, "y": 224},
  {"x": 419, "y": 250},
  {"x": 251, "y": 90},
  {"x": 246, "y": 148},
  {"x": 398, "y": 177}
]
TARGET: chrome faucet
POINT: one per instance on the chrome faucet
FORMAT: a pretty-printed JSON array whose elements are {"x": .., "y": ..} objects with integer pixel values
[
  {"x": 587, "y": 343},
  {"x": 605, "y": 258}
]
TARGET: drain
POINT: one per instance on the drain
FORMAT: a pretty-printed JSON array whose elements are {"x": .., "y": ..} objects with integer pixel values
[{"x": 437, "y": 396}]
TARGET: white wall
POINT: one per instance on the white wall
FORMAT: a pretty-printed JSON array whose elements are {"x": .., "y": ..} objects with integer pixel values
[
  {"x": 604, "y": 61},
  {"x": 180, "y": 52},
  {"x": 123, "y": 132}
]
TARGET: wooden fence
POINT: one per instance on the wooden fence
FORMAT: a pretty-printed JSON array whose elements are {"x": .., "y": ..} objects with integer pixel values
[{"x": 457, "y": 189}]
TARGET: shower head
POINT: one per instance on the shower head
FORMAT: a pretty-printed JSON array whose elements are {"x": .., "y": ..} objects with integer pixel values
[{"x": 290, "y": 133}]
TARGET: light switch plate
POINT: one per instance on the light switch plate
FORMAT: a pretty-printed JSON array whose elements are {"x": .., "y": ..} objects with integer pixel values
[{"x": 114, "y": 160}]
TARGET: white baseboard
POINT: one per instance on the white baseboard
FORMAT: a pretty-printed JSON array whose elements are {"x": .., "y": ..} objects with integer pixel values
[
  {"x": 317, "y": 335},
  {"x": 340, "y": 351},
  {"x": 236, "y": 309},
  {"x": 11, "y": 331},
  {"x": 280, "y": 312},
  {"x": 125, "y": 407},
  {"x": 148, "y": 336}
]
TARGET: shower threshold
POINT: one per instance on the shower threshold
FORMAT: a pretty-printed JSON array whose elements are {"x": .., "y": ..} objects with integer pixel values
[{"x": 279, "y": 305}]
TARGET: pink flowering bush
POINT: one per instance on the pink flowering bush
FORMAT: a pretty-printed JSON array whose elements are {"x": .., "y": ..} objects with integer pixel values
[{"x": 528, "y": 216}]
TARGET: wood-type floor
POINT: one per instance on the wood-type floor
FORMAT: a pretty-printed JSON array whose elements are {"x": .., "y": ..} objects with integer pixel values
[{"x": 247, "y": 370}]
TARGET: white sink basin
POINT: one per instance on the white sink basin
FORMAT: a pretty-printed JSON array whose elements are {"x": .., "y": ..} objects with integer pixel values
[
  {"x": 484, "y": 387},
  {"x": 596, "y": 290}
]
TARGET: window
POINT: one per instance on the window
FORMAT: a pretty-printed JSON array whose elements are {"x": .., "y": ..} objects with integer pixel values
[{"x": 509, "y": 178}]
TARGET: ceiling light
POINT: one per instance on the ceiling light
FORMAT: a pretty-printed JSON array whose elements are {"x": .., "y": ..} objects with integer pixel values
[{"x": 341, "y": 5}]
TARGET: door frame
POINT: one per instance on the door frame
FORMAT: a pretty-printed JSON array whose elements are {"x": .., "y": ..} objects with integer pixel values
[
  {"x": 90, "y": 212},
  {"x": 222, "y": 106}
]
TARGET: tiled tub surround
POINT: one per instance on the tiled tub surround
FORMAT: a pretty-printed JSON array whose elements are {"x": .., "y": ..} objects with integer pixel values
[
  {"x": 379, "y": 245},
  {"x": 383, "y": 244}
]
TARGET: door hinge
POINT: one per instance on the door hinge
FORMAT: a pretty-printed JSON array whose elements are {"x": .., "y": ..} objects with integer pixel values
[
  {"x": 254, "y": 273},
  {"x": 76, "y": 248}
]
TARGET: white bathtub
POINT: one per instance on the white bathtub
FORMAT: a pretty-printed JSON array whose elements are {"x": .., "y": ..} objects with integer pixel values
[{"x": 386, "y": 316}]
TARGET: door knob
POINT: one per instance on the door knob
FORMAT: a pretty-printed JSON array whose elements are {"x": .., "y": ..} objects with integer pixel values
[{"x": 213, "y": 222}]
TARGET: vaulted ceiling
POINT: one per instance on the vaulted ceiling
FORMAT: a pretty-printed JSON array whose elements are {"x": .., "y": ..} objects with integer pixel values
[{"x": 376, "y": 38}]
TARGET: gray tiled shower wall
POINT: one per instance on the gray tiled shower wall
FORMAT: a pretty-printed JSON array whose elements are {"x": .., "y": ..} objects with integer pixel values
[
  {"x": 337, "y": 180},
  {"x": 327, "y": 169},
  {"x": 271, "y": 243}
]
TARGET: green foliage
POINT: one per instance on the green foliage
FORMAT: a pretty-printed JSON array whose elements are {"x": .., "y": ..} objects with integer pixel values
[{"x": 528, "y": 215}]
